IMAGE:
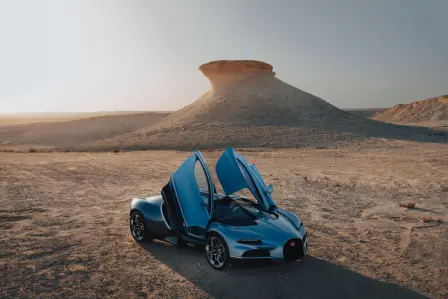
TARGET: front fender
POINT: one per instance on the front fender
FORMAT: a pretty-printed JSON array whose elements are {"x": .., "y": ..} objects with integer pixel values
[
  {"x": 233, "y": 234},
  {"x": 294, "y": 219}
]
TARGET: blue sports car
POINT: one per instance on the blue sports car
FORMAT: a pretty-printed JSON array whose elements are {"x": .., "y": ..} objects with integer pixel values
[{"x": 190, "y": 211}]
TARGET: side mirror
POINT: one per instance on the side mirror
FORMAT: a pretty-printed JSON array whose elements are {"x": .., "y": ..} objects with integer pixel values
[{"x": 270, "y": 188}]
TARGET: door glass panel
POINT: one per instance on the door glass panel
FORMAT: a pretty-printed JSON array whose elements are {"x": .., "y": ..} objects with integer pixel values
[
  {"x": 249, "y": 180},
  {"x": 202, "y": 182}
]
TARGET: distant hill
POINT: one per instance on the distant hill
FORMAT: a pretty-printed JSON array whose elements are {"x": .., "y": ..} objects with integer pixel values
[
  {"x": 434, "y": 109},
  {"x": 367, "y": 113},
  {"x": 49, "y": 117},
  {"x": 247, "y": 106},
  {"x": 69, "y": 133}
]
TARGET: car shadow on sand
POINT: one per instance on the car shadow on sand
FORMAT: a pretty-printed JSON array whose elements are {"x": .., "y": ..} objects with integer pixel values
[{"x": 310, "y": 278}]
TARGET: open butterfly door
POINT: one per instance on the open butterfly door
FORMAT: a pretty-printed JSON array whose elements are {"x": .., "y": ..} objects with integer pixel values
[
  {"x": 235, "y": 174},
  {"x": 194, "y": 191}
]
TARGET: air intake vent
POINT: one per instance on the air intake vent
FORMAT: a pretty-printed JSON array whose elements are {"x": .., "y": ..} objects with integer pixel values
[{"x": 257, "y": 253}]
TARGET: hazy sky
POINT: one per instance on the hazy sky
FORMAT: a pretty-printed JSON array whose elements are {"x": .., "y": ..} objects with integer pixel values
[{"x": 85, "y": 55}]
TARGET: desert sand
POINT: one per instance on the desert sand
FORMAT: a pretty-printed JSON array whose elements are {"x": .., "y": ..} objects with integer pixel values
[{"x": 64, "y": 226}]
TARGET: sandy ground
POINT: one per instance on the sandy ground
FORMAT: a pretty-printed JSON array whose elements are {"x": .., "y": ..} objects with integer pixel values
[{"x": 64, "y": 226}]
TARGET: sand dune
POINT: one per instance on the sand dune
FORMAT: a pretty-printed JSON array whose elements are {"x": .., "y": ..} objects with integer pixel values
[
  {"x": 248, "y": 106},
  {"x": 434, "y": 109},
  {"x": 75, "y": 131}
]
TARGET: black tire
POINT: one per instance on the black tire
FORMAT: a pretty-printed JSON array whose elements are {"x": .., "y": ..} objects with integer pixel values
[
  {"x": 138, "y": 228},
  {"x": 181, "y": 243},
  {"x": 217, "y": 251}
]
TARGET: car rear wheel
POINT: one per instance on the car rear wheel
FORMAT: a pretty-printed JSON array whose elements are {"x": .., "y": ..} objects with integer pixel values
[
  {"x": 216, "y": 251},
  {"x": 137, "y": 226}
]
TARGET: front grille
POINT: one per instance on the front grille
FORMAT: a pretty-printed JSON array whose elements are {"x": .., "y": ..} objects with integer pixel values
[
  {"x": 293, "y": 249},
  {"x": 257, "y": 253}
]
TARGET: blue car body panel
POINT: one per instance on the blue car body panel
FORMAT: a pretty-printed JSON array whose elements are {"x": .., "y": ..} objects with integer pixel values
[
  {"x": 272, "y": 234},
  {"x": 152, "y": 210},
  {"x": 267, "y": 231},
  {"x": 194, "y": 212},
  {"x": 235, "y": 173}
]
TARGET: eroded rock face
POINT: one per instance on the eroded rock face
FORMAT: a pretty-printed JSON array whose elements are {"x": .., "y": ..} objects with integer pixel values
[
  {"x": 433, "y": 109},
  {"x": 249, "y": 106},
  {"x": 224, "y": 73}
]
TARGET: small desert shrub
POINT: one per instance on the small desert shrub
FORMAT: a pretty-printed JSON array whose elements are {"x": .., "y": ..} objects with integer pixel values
[
  {"x": 409, "y": 205},
  {"x": 430, "y": 219},
  {"x": 32, "y": 150},
  {"x": 335, "y": 190}
]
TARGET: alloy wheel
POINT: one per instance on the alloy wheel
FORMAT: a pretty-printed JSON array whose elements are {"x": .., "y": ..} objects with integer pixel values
[
  {"x": 216, "y": 252},
  {"x": 137, "y": 227}
]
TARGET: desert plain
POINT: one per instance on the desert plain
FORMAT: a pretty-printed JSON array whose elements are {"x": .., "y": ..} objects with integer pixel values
[{"x": 64, "y": 228}]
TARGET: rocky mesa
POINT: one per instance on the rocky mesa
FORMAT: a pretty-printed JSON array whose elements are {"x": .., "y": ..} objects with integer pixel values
[
  {"x": 434, "y": 109},
  {"x": 248, "y": 106}
]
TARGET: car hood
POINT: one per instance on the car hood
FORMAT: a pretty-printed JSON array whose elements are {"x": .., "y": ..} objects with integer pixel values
[{"x": 269, "y": 227}]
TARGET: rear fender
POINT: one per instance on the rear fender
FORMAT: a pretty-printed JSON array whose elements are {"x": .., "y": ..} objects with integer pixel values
[{"x": 151, "y": 209}]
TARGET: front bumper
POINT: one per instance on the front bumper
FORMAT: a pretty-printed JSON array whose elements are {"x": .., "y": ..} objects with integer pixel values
[{"x": 293, "y": 249}]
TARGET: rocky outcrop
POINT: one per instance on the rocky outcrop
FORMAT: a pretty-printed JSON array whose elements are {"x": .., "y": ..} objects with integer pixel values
[
  {"x": 248, "y": 105},
  {"x": 223, "y": 74},
  {"x": 433, "y": 109}
]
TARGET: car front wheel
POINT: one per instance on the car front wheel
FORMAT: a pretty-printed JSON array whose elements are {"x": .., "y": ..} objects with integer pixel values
[{"x": 217, "y": 252}]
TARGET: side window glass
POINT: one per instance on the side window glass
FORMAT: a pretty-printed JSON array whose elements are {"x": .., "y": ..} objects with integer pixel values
[
  {"x": 248, "y": 178},
  {"x": 202, "y": 182}
]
